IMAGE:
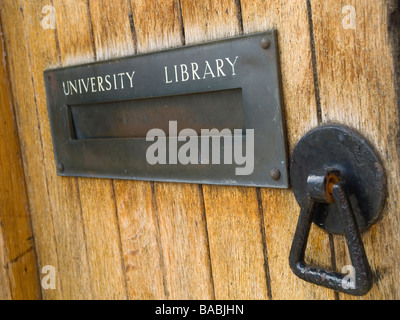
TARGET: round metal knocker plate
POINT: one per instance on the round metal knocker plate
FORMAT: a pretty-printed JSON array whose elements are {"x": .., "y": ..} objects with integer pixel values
[{"x": 340, "y": 148}]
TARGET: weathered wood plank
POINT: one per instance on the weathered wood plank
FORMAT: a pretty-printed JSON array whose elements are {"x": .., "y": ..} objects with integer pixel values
[
  {"x": 140, "y": 240},
  {"x": 107, "y": 270},
  {"x": 356, "y": 76},
  {"x": 235, "y": 233},
  {"x": 233, "y": 217},
  {"x": 5, "y": 290},
  {"x": 184, "y": 241},
  {"x": 63, "y": 194},
  {"x": 180, "y": 212},
  {"x": 22, "y": 89},
  {"x": 14, "y": 208},
  {"x": 5, "y": 105},
  {"x": 280, "y": 208}
]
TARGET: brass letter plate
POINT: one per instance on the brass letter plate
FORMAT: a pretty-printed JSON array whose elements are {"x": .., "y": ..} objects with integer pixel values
[{"x": 207, "y": 114}]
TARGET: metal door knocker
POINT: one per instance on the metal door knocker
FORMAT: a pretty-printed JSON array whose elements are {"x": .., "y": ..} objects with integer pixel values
[{"x": 340, "y": 184}]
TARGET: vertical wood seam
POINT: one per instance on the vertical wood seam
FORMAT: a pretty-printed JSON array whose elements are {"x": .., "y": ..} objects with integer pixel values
[
  {"x": 314, "y": 62},
  {"x": 183, "y": 37},
  {"x": 5, "y": 259},
  {"x": 17, "y": 134},
  {"x": 239, "y": 15},
  {"x": 119, "y": 238},
  {"x": 207, "y": 240},
  {"x": 56, "y": 38},
  {"x": 264, "y": 242},
  {"x": 91, "y": 31},
  {"x": 84, "y": 233},
  {"x": 159, "y": 242},
  {"x": 132, "y": 27}
]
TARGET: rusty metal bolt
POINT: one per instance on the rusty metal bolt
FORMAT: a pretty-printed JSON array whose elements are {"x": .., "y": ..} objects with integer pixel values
[
  {"x": 60, "y": 167},
  {"x": 275, "y": 174},
  {"x": 265, "y": 43}
]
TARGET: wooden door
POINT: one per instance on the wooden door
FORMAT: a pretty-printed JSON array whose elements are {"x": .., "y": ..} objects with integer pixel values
[{"x": 110, "y": 239}]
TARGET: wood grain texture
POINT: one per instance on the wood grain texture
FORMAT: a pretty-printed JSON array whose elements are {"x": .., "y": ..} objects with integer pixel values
[
  {"x": 210, "y": 19},
  {"x": 140, "y": 240},
  {"x": 63, "y": 194},
  {"x": 233, "y": 217},
  {"x": 356, "y": 76},
  {"x": 184, "y": 241},
  {"x": 162, "y": 27},
  {"x": 18, "y": 251},
  {"x": 112, "y": 33},
  {"x": 5, "y": 113},
  {"x": 280, "y": 209},
  {"x": 5, "y": 103},
  {"x": 5, "y": 290},
  {"x": 107, "y": 270},
  {"x": 236, "y": 243},
  {"x": 30, "y": 137},
  {"x": 73, "y": 17}
]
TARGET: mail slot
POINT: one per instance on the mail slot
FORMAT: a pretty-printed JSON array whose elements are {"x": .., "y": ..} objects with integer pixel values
[
  {"x": 208, "y": 113},
  {"x": 135, "y": 118}
]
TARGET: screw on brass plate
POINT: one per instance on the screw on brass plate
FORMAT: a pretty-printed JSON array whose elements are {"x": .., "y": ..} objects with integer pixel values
[
  {"x": 265, "y": 43},
  {"x": 60, "y": 167},
  {"x": 275, "y": 174}
]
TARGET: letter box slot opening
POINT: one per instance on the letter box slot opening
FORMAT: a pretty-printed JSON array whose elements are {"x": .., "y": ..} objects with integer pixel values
[{"x": 135, "y": 118}]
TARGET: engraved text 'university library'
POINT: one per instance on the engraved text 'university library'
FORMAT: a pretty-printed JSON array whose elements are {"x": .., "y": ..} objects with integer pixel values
[{"x": 180, "y": 73}]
